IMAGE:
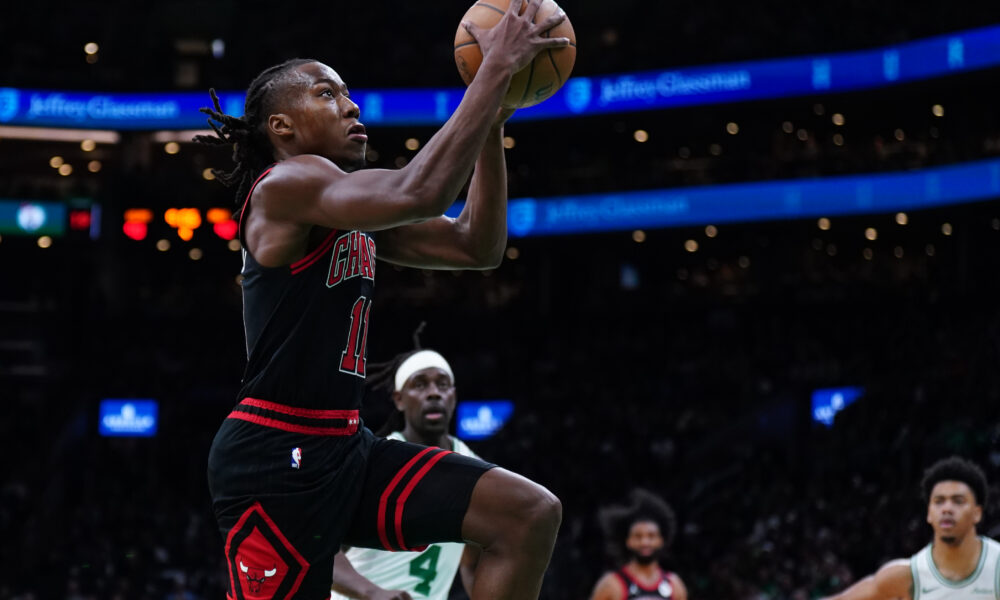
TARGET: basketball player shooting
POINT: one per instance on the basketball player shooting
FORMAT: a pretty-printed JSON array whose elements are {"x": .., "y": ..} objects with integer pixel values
[{"x": 292, "y": 472}]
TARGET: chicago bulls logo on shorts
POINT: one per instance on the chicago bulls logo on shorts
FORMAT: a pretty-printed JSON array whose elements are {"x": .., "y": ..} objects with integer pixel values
[{"x": 262, "y": 562}]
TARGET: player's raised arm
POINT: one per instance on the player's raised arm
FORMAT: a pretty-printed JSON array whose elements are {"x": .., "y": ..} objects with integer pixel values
[
  {"x": 312, "y": 190},
  {"x": 474, "y": 240},
  {"x": 891, "y": 582}
]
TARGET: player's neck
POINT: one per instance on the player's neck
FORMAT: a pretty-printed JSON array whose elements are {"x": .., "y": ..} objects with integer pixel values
[
  {"x": 957, "y": 560},
  {"x": 441, "y": 441},
  {"x": 647, "y": 572}
]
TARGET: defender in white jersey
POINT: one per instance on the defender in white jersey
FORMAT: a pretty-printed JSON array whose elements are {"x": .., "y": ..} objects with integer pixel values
[
  {"x": 424, "y": 396},
  {"x": 958, "y": 564}
]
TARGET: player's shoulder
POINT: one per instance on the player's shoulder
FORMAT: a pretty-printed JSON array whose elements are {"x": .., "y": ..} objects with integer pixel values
[
  {"x": 894, "y": 579},
  {"x": 611, "y": 586},
  {"x": 304, "y": 172}
]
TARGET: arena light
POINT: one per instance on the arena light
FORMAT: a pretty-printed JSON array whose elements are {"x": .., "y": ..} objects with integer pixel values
[
  {"x": 136, "y": 224},
  {"x": 79, "y": 219},
  {"x": 99, "y": 136},
  {"x": 128, "y": 417},
  {"x": 184, "y": 220},
  {"x": 480, "y": 419},
  {"x": 826, "y": 403},
  {"x": 222, "y": 222},
  {"x": 218, "y": 215}
]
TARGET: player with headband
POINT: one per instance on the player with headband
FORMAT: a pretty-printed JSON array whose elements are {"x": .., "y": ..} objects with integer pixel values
[{"x": 423, "y": 393}]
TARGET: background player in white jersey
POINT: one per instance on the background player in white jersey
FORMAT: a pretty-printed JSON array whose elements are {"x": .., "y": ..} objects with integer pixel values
[
  {"x": 958, "y": 563},
  {"x": 639, "y": 532},
  {"x": 423, "y": 392}
]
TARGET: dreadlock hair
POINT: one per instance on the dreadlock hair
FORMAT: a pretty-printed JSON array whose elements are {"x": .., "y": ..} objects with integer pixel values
[
  {"x": 252, "y": 150},
  {"x": 617, "y": 520},
  {"x": 956, "y": 468},
  {"x": 382, "y": 381}
]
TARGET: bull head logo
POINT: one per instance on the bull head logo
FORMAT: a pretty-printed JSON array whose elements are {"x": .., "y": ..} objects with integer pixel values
[{"x": 256, "y": 577}]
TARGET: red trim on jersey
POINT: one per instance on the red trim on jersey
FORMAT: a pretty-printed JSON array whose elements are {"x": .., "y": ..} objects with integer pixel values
[
  {"x": 635, "y": 580},
  {"x": 384, "y": 500},
  {"x": 309, "y": 413},
  {"x": 350, "y": 429},
  {"x": 401, "y": 501},
  {"x": 247, "y": 201},
  {"x": 257, "y": 508},
  {"x": 309, "y": 259},
  {"x": 621, "y": 581}
]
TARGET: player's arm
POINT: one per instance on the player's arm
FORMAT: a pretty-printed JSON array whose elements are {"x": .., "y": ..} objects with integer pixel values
[
  {"x": 311, "y": 190},
  {"x": 467, "y": 567},
  {"x": 608, "y": 587},
  {"x": 680, "y": 590},
  {"x": 348, "y": 582},
  {"x": 892, "y": 581},
  {"x": 478, "y": 236}
]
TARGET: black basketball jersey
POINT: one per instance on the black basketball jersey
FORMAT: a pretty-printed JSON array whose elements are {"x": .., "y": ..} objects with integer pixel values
[
  {"x": 637, "y": 591},
  {"x": 307, "y": 323}
]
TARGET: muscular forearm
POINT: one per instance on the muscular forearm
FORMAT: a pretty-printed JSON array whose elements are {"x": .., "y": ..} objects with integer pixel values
[
  {"x": 483, "y": 221},
  {"x": 438, "y": 172}
]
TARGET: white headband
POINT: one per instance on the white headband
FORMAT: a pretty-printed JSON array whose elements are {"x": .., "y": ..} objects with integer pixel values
[{"x": 418, "y": 362}]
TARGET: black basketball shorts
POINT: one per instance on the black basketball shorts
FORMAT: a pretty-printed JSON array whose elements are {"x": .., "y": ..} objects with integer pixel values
[{"x": 289, "y": 486}]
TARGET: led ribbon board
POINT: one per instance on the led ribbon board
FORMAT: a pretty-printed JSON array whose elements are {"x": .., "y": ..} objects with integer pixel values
[
  {"x": 744, "y": 202},
  {"x": 732, "y": 82}
]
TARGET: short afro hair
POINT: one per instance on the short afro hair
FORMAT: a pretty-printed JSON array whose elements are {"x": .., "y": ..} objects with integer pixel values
[
  {"x": 617, "y": 520},
  {"x": 956, "y": 468}
]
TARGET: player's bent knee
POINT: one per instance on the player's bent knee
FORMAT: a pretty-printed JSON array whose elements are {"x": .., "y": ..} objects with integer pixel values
[
  {"x": 509, "y": 508},
  {"x": 545, "y": 511}
]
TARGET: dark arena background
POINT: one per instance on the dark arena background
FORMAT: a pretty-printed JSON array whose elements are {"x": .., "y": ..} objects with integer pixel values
[{"x": 753, "y": 267}]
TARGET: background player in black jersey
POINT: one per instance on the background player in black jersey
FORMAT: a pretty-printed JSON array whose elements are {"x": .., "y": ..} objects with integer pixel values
[
  {"x": 639, "y": 532},
  {"x": 291, "y": 472}
]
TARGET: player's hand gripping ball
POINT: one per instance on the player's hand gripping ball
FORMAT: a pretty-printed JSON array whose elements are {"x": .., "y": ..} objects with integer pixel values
[{"x": 534, "y": 83}]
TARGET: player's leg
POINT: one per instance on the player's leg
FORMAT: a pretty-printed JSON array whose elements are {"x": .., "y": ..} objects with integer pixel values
[
  {"x": 279, "y": 499},
  {"x": 414, "y": 496},
  {"x": 515, "y": 521}
]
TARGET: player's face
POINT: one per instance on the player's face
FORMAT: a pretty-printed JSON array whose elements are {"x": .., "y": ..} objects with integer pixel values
[
  {"x": 428, "y": 401},
  {"x": 644, "y": 541},
  {"x": 325, "y": 120},
  {"x": 953, "y": 511}
]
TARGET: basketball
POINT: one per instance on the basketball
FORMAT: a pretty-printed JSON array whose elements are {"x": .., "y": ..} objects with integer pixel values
[{"x": 534, "y": 83}]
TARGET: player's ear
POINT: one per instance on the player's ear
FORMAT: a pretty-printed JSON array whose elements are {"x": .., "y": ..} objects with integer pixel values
[
  {"x": 978, "y": 515},
  {"x": 397, "y": 400},
  {"x": 280, "y": 125}
]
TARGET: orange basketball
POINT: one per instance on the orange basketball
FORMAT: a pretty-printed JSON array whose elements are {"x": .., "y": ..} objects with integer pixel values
[{"x": 534, "y": 83}]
